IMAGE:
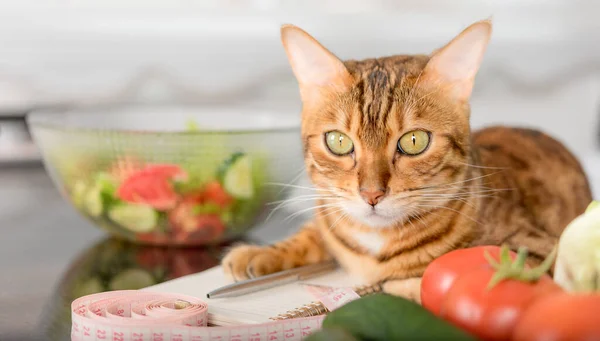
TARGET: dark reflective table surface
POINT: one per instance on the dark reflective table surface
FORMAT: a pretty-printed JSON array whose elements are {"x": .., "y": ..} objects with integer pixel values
[
  {"x": 112, "y": 264},
  {"x": 49, "y": 255}
]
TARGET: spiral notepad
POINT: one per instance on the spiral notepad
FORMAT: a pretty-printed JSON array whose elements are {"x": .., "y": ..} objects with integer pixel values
[
  {"x": 317, "y": 308},
  {"x": 279, "y": 303}
]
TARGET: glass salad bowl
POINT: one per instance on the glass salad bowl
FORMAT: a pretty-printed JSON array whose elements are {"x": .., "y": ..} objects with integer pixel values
[{"x": 169, "y": 175}]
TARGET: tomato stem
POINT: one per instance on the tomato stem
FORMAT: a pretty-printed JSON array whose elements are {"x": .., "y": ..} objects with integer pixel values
[
  {"x": 522, "y": 254},
  {"x": 491, "y": 260},
  {"x": 508, "y": 269}
]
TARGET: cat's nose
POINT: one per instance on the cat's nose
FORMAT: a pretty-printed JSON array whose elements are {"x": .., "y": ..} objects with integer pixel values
[{"x": 372, "y": 197}]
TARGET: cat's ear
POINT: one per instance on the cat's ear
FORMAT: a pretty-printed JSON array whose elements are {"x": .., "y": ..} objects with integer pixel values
[
  {"x": 315, "y": 68},
  {"x": 455, "y": 65}
]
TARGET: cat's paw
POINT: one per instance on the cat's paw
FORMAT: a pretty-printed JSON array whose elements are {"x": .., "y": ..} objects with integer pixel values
[
  {"x": 409, "y": 288},
  {"x": 248, "y": 261}
]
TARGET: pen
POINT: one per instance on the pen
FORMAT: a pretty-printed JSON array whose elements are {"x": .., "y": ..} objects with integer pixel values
[{"x": 272, "y": 280}]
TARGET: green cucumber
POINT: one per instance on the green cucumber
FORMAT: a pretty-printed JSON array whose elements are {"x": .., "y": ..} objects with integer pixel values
[
  {"x": 236, "y": 175},
  {"x": 97, "y": 197},
  {"x": 131, "y": 279},
  {"x": 386, "y": 317},
  {"x": 92, "y": 201},
  {"x": 78, "y": 193},
  {"x": 136, "y": 218},
  {"x": 106, "y": 183}
]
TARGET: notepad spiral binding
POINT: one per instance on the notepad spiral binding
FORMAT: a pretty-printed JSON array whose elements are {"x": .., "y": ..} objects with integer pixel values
[{"x": 317, "y": 308}]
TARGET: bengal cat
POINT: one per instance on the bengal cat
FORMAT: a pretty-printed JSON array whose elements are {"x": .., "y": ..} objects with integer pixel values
[{"x": 400, "y": 178}]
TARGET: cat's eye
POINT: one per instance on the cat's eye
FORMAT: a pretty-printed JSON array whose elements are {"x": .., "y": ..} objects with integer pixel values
[
  {"x": 339, "y": 143},
  {"x": 414, "y": 142}
]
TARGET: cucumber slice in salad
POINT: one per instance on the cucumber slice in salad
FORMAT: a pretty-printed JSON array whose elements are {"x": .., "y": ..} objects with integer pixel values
[
  {"x": 78, "y": 193},
  {"x": 92, "y": 201},
  {"x": 236, "y": 174},
  {"x": 136, "y": 218}
]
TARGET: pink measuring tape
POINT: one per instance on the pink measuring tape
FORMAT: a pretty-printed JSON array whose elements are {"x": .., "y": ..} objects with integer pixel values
[{"x": 132, "y": 315}]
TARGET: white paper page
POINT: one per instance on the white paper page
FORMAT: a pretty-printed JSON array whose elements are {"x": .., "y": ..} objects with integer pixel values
[{"x": 250, "y": 308}]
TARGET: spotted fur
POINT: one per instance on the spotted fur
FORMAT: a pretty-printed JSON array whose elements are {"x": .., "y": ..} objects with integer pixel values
[{"x": 499, "y": 185}]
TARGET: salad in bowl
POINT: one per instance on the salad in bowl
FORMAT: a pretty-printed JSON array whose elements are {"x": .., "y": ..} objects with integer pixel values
[{"x": 169, "y": 177}]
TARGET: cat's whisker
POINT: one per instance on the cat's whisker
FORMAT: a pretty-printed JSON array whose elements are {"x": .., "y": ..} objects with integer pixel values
[
  {"x": 409, "y": 103},
  {"x": 436, "y": 90},
  {"x": 297, "y": 186},
  {"x": 325, "y": 193},
  {"x": 451, "y": 209},
  {"x": 460, "y": 187},
  {"x": 447, "y": 195},
  {"x": 421, "y": 211},
  {"x": 472, "y": 179},
  {"x": 330, "y": 210},
  {"x": 308, "y": 196},
  {"x": 304, "y": 198},
  {"x": 294, "y": 179},
  {"x": 289, "y": 202},
  {"x": 411, "y": 224},
  {"x": 450, "y": 197},
  {"x": 297, "y": 213},
  {"x": 455, "y": 196},
  {"x": 480, "y": 167},
  {"x": 337, "y": 190},
  {"x": 410, "y": 217},
  {"x": 340, "y": 209},
  {"x": 331, "y": 201},
  {"x": 453, "y": 183},
  {"x": 443, "y": 201},
  {"x": 442, "y": 193},
  {"x": 422, "y": 221},
  {"x": 484, "y": 193},
  {"x": 431, "y": 210},
  {"x": 343, "y": 216}
]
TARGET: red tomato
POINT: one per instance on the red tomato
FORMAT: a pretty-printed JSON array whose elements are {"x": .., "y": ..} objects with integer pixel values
[
  {"x": 149, "y": 190},
  {"x": 492, "y": 314},
  {"x": 152, "y": 186},
  {"x": 165, "y": 171},
  {"x": 562, "y": 317},
  {"x": 214, "y": 192},
  {"x": 182, "y": 217},
  {"x": 441, "y": 274}
]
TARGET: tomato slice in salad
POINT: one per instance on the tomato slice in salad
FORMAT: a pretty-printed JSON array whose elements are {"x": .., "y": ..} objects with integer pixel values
[
  {"x": 214, "y": 192},
  {"x": 152, "y": 186}
]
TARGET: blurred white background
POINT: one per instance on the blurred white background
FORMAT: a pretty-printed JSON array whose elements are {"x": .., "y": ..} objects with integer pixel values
[{"x": 542, "y": 68}]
